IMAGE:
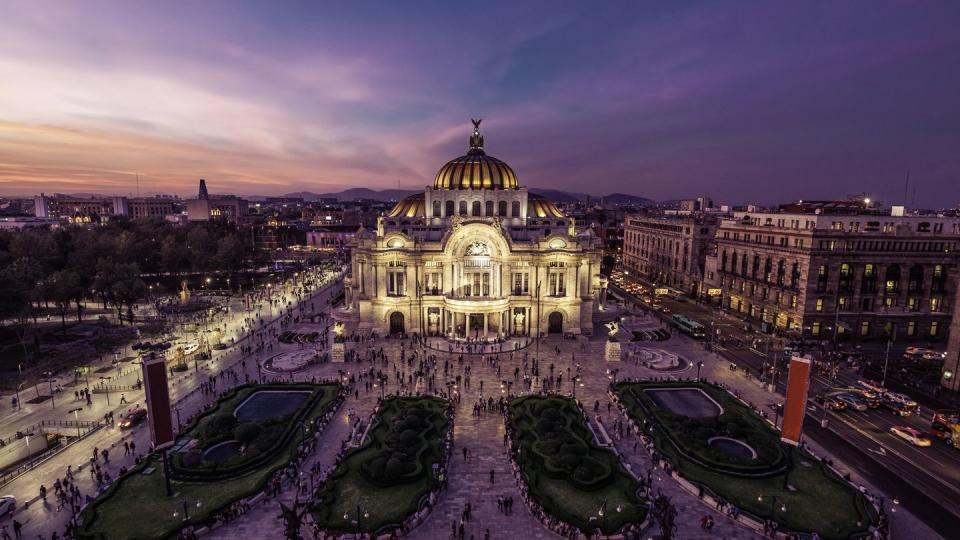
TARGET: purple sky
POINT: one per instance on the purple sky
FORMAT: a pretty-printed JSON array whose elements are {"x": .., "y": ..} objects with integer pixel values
[{"x": 742, "y": 101}]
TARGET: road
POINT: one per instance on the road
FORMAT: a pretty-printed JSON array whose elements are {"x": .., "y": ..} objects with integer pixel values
[
  {"x": 925, "y": 480},
  {"x": 41, "y": 517}
]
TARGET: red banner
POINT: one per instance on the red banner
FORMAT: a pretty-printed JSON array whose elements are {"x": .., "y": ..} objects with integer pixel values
[
  {"x": 798, "y": 382},
  {"x": 158, "y": 399}
]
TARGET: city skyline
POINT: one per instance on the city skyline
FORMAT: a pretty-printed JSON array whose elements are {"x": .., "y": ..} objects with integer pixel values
[{"x": 742, "y": 103}]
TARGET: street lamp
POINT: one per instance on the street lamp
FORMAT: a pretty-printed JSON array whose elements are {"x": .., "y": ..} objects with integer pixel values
[
  {"x": 49, "y": 375},
  {"x": 360, "y": 510},
  {"x": 186, "y": 511},
  {"x": 76, "y": 417},
  {"x": 105, "y": 387},
  {"x": 699, "y": 365},
  {"x": 773, "y": 504}
]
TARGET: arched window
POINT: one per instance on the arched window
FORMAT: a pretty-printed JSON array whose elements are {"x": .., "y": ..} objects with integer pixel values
[
  {"x": 489, "y": 208},
  {"x": 915, "y": 284},
  {"x": 756, "y": 266},
  {"x": 515, "y": 210},
  {"x": 436, "y": 208},
  {"x": 463, "y": 208},
  {"x": 502, "y": 208},
  {"x": 767, "y": 270},
  {"x": 892, "y": 281},
  {"x": 743, "y": 265},
  {"x": 781, "y": 270},
  {"x": 450, "y": 209},
  {"x": 723, "y": 261},
  {"x": 476, "y": 208},
  {"x": 795, "y": 275},
  {"x": 733, "y": 264}
]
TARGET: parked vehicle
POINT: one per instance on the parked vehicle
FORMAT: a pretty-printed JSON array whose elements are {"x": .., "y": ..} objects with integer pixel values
[{"x": 911, "y": 435}]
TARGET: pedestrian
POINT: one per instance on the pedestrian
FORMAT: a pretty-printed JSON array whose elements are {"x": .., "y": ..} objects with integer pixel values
[
  {"x": 17, "y": 529},
  {"x": 123, "y": 398},
  {"x": 491, "y": 476}
]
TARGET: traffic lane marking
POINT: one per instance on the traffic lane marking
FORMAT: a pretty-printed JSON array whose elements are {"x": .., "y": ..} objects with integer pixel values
[{"x": 896, "y": 453}]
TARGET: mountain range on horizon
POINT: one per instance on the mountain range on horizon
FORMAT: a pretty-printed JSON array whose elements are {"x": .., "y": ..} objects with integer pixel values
[{"x": 387, "y": 195}]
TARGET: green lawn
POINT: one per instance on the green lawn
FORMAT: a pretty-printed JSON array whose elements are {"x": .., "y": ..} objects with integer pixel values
[
  {"x": 566, "y": 472},
  {"x": 818, "y": 501},
  {"x": 391, "y": 499},
  {"x": 136, "y": 506}
]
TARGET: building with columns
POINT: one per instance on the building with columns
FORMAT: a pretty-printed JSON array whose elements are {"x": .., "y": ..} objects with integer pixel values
[
  {"x": 845, "y": 274},
  {"x": 474, "y": 256}
]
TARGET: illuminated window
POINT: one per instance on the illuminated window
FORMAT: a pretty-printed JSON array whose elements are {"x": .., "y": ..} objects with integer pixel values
[
  {"x": 865, "y": 328},
  {"x": 934, "y": 328},
  {"x": 911, "y": 328},
  {"x": 815, "y": 328},
  {"x": 819, "y": 304}
]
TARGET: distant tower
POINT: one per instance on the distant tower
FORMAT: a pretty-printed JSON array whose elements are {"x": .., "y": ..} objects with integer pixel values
[{"x": 203, "y": 190}]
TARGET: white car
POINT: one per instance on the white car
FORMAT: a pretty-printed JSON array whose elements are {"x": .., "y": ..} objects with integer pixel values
[
  {"x": 8, "y": 503},
  {"x": 911, "y": 435}
]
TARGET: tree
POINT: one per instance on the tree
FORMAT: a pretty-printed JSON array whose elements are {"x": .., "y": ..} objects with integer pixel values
[
  {"x": 61, "y": 288},
  {"x": 666, "y": 515}
]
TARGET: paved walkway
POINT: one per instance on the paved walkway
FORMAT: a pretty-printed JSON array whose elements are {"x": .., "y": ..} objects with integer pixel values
[{"x": 483, "y": 436}]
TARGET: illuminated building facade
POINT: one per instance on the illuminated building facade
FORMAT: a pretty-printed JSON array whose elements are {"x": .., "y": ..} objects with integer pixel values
[{"x": 474, "y": 256}]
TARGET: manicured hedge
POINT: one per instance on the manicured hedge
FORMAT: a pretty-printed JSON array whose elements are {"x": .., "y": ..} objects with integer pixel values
[
  {"x": 136, "y": 506},
  {"x": 392, "y": 472},
  {"x": 690, "y": 436},
  {"x": 566, "y": 472},
  {"x": 815, "y": 497},
  {"x": 220, "y": 425}
]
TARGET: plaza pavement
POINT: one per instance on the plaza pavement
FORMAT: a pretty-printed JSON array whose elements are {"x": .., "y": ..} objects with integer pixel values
[
  {"x": 41, "y": 519},
  {"x": 483, "y": 436}
]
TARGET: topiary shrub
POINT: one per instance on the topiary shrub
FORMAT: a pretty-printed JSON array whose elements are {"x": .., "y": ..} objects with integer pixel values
[
  {"x": 246, "y": 433},
  {"x": 218, "y": 425}
]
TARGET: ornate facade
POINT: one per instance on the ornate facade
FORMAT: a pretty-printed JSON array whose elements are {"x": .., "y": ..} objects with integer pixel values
[{"x": 474, "y": 256}]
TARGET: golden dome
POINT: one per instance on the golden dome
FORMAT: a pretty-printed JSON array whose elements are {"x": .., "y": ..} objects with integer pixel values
[
  {"x": 412, "y": 206},
  {"x": 476, "y": 170}
]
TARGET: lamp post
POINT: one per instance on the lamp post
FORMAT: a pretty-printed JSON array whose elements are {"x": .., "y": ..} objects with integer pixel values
[
  {"x": 360, "y": 510},
  {"x": 76, "y": 416},
  {"x": 186, "y": 509},
  {"x": 19, "y": 386},
  {"x": 699, "y": 365},
  {"x": 105, "y": 387},
  {"x": 886, "y": 356},
  {"x": 48, "y": 375},
  {"x": 773, "y": 504}
]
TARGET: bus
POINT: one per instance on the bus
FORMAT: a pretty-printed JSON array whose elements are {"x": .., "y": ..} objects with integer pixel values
[{"x": 689, "y": 326}]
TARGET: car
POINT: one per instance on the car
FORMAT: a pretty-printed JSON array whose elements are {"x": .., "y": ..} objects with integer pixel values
[
  {"x": 8, "y": 503},
  {"x": 852, "y": 401},
  {"x": 871, "y": 385},
  {"x": 132, "y": 417},
  {"x": 831, "y": 402},
  {"x": 896, "y": 407},
  {"x": 911, "y": 435},
  {"x": 665, "y": 310}
]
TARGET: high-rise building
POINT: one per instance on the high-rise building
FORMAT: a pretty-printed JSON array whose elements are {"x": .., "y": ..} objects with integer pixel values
[
  {"x": 475, "y": 255},
  {"x": 849, "y": 273}
]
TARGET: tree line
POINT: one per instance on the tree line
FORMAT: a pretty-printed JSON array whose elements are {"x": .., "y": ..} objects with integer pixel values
[{"x": 61, "y": 268}]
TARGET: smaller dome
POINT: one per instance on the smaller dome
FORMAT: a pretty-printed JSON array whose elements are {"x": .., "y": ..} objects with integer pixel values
[
  {"x": 540, "y": 207},
  {"x": 412, "y": 206}
]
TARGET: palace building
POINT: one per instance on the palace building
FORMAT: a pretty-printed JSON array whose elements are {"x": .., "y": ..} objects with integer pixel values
[{"x": 474, "y": 256}]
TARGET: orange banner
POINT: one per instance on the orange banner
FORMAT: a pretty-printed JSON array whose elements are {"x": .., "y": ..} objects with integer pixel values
[{"x": 798, "y": 382}]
